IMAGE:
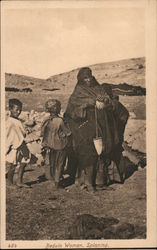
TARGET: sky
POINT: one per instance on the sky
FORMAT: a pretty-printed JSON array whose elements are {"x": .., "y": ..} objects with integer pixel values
[{"x": 42, "y": 42}]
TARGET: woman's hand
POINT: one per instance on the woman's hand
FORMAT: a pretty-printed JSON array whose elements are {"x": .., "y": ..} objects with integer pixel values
[{"x": 100, "y": 105}]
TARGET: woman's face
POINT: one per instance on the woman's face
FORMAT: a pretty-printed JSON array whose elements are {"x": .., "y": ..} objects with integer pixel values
[{"x": 87, "y": 80}]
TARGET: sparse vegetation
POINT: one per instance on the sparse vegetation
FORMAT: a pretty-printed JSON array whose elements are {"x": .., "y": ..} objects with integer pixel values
[
  {"x": 13, "y": 89},
  {"x": 140, "y": 66},
  {"x": 54, "y": 89}
]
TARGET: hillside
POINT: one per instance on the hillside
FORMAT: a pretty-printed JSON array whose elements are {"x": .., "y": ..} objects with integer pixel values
[
  {"x": 21, "y": 81},
  {"x": 130, "y": 71}
]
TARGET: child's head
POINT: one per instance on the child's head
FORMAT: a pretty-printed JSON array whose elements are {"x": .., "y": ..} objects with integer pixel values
[
  {"x": 15, "y": 107},
  {"x": 53, "y": 106}
]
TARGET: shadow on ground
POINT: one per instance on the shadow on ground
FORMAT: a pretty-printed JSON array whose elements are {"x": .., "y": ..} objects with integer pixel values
[
  {"x": 127, "y": 169},
  {"x": 87, "y": 226}
]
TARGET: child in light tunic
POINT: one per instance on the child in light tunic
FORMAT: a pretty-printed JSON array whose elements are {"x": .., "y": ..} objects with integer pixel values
[{"x": 17, "y": 152}]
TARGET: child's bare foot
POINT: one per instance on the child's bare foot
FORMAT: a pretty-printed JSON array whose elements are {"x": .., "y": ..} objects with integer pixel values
[
  {"x": 11, "y": 185},
  {"x": 22, "y": 185}
]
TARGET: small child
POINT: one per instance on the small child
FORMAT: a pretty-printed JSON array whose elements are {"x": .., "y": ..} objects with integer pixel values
[
  {"x": 55, "y": 135},
  {"x": 17, "y": 153}
]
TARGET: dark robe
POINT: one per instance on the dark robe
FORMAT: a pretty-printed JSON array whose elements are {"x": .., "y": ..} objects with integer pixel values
[
  {"x": 80, "y": 114},
  {"x": 121, "y": 115}
]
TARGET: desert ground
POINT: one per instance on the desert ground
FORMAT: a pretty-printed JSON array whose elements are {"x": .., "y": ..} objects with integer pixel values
[{"x": 117, "y": 211}]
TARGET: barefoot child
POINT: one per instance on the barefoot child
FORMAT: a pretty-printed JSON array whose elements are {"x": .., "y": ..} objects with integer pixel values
[
  {"x": 55, "y": 140},
  {"x": 17, "y": 153}
]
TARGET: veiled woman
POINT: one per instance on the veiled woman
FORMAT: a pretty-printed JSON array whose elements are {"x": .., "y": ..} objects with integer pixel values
[{"x": 87, "y": 96}]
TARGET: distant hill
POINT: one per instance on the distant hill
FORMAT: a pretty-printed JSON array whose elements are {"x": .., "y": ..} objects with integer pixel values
[
  {"x": 126, "y": 77},
  {"x": 130, "y": 71},
  {"x": 21, "y": 81},
  {"x": 123, "y": 76}
]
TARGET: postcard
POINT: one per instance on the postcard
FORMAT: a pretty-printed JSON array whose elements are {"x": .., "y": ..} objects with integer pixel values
[{"x": 78, "y": 124}]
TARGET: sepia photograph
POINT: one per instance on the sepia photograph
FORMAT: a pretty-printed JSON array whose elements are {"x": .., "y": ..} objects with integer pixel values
[{"x": 78, "y": 124}]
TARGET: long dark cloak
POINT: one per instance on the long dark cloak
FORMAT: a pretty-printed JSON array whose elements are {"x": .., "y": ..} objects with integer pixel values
[{"x": 80, "y": 114}]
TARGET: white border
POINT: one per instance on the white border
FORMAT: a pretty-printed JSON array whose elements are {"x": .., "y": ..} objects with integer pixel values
[{"x": 151, "y": 83}]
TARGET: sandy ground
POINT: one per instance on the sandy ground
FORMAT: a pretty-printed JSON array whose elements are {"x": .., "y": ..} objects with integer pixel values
[{"x": 42, "y": 212}]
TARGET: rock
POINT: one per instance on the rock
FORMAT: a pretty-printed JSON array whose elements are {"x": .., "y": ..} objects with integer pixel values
[
  {"x": 109, "y": 233},
  {"x": 24, "y": 115},
  {"x": 93, "y": 234},
  {"x": 108, "y": 221},
  {"x": 140, "y": 231},
  {"x": 30, "y": 123},
  {"x": 135, "y": 134},
  {"x": 119, "y": 231},
  {"x": 124, "y": 231},
  {"x": 87, "y": 226},
  {"x": 132, "y": 157},
  {"x": 132, "y": 115},
  {"x": 32, "y": 113},
  {"x": 41, "y": 117}
]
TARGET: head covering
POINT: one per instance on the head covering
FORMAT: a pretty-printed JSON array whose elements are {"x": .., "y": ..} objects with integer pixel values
[
  {"x": 52, "y": 104},
  {"x": 13, "y": 102},
  {"x": 84, "y": 72}
]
